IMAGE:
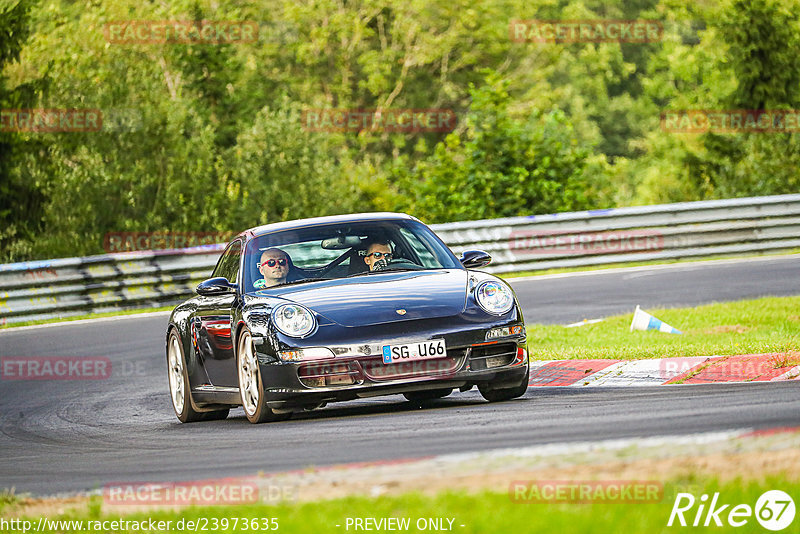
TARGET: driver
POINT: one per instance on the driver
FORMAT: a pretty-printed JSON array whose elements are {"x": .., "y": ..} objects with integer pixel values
[
  {"x": 378, "y": 255},
  {"x": 274, "y": 266}
]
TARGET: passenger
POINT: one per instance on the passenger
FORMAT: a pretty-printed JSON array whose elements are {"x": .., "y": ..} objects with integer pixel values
[
  {"x": 378, "y": 255},
  {"x": 274, "y": 266}
]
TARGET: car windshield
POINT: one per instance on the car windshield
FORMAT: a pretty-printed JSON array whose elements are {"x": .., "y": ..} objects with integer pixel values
[{"x": 340, "y": 250}]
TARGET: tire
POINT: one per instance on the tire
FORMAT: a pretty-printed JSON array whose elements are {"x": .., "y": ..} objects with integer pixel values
[
  {"x": 180, "y": 391},
  {"x": 505, "y": 394},
  {"x": 428, "y": 395},
  {"x": 251, "y": 388}
]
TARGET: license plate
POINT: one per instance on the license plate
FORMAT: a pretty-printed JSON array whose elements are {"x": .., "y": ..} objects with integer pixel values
[{"x": 426, "y": 350}]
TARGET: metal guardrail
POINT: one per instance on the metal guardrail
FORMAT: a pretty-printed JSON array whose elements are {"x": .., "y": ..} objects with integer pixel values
[
  {"x": 667, "y": 231},
  {"x": 114, "y": 282}
]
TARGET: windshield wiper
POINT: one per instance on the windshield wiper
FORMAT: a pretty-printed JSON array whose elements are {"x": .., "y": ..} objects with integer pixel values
[
  {"x": 303, "y": 281},
  {"x": 396, "y": 269},
  {"x": 389, "y": 269},
  {"x": 360, "y": 274}
]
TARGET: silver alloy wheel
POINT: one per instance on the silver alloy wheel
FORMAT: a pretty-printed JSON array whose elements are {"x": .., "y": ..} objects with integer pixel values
[
  {"x": 248, "y": 374},
  {"x": 176, "y": 375}
]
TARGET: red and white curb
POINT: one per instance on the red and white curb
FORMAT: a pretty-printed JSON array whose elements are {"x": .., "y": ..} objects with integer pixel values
[{"x": 662, "y": 371}]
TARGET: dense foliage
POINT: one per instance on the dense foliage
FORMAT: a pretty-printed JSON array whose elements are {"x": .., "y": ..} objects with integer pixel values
[{"x": 210, "y": 137}]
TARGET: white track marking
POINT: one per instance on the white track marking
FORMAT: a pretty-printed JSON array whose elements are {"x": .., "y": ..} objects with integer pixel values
[
  {"x": 559, "y": 449},
  {"x": 791, "y": 374},
  {"x": 643, "y": 372},
  {"x": 658, "y": 267}
]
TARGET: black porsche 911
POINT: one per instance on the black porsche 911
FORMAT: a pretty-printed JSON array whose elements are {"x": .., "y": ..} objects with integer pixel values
[{"x": 298, "y": 314}]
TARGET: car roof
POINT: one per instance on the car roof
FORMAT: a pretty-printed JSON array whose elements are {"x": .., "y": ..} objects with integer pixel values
[{"x": 322, "y": 221}]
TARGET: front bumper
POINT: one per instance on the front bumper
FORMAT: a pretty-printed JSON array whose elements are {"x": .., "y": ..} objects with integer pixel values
[{"x": 349, "y": 376}]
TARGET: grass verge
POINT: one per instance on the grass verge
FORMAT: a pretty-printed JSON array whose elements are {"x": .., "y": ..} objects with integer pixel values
[
  {"x": 484, "y": 512},
  {"x": 87, "y": 316},
  {"x": 763, "y": 325}
]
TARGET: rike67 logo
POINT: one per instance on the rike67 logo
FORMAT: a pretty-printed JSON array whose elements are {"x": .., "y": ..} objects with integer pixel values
[{"x": 774, "y": 510}]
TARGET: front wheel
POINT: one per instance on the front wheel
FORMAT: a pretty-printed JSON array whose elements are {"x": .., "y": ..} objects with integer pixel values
[
  {"x": 505, "y": 394},
  {"x": 179, "y": 382},
  {"x": 251, "y": 388}
]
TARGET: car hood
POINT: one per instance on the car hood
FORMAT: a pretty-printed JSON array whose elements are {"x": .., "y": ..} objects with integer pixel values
[{"x": 381, "y": 298}]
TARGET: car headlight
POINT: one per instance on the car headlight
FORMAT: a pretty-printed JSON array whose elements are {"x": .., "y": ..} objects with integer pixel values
[
  {"x": 494, "y": 297},
  {"x": 293, "y": 320}
]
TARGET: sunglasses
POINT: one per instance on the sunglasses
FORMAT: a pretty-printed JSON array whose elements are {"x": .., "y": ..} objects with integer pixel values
[
  {"x": 272, "y": 263},
  {"x": 379, "y": 255}
]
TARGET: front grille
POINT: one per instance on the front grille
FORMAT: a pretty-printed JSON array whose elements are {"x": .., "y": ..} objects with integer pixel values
[
  {"x": 329, "y": 374},
  {"x": 485, "y": 357},
  {"x": 376, "y": 370}
]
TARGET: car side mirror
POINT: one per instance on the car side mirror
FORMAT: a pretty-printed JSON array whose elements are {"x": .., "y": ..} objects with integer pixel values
[
  {"x": 215, "y": 286},
  {"x": 472, "y": 259}
]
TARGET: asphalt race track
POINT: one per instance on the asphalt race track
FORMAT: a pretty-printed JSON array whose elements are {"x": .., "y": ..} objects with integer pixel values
[{"x": 59, "y": 436}]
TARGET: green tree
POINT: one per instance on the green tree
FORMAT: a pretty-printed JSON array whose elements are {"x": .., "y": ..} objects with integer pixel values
[
  {"x": 279, "y": 171},
  {"x": 21, "y": 199},
  {"x": 763, "y": 54},
  {"x": 501, "y": 166},
  {"x": 207, "y": 137},
  {"x": 747, "y": 56}
]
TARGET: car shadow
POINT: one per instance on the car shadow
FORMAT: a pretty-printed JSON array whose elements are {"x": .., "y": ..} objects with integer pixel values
[{"x": 383, "y": 406}]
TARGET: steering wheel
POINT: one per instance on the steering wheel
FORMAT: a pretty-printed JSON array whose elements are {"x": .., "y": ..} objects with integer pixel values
[
  {"x": 335, "y": 263},
  {"x": 401, "y": 263}
]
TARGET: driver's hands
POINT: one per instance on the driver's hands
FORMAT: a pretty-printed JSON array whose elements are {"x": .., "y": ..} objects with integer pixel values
[{"x": 380, "y": 265}]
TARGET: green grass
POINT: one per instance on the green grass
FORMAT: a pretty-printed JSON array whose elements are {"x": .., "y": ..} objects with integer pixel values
[
  {"x": 7, "y": 498},
  {"x": 607, "y": 266},
  {"x": 749, "y": 326},
  {"x": 87, "y": 316},
  {"x": 485, "y": 512}
]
